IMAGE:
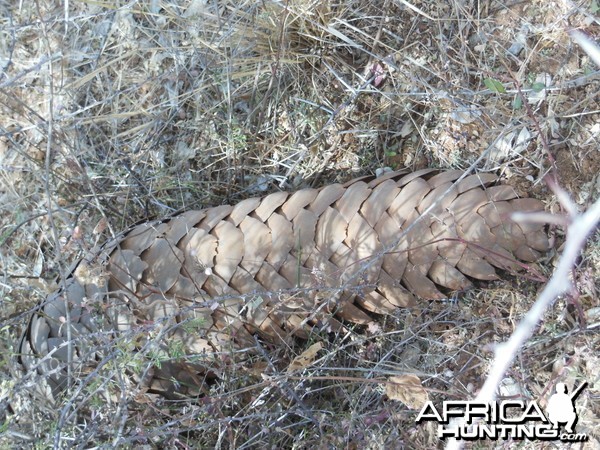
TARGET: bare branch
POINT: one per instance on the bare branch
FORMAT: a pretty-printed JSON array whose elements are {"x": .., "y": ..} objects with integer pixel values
[{"x": 581, "y": 226}]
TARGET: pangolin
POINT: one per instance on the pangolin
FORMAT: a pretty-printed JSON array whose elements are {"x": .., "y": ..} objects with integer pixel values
[{"x": 208, "y": 282}]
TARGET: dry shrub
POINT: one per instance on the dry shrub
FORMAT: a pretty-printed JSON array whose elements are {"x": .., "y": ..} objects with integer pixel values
[{"x": 112, "y": 113}]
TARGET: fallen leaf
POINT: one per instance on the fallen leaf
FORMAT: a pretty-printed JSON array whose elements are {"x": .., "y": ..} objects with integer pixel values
[
  {"x": 306, "y": 358},
  {"x": 100, "y": 227},
  {"x": 259, "y": 368},
  {"x": 408, "y": 390},
  {"x": 494, "y": 85}
]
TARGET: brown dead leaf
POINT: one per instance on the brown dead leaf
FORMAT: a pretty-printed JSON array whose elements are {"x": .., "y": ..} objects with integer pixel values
[
  {"x": 258, "y": 368},
  {"x": 306, "y": 358},
  {"x": 408, "y": 390}
]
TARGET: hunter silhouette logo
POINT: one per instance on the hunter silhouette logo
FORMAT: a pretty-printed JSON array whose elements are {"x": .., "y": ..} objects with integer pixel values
[
  {"x": 508, "y": 419},
  {"x": 561, "y": 407}
]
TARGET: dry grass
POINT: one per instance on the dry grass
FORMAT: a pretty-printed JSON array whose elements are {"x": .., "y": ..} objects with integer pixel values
[{"x": 112, "y": 113}]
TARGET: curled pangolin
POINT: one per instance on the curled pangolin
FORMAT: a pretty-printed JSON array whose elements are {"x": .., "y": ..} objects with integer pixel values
[{"x": 277, "y": 266}]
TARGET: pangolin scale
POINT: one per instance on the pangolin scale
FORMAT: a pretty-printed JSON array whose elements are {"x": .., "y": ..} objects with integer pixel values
[{"x": 277, "y": 266}]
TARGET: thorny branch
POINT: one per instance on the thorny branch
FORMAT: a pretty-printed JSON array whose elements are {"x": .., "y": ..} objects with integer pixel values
[{"x": 580, "y": 226}]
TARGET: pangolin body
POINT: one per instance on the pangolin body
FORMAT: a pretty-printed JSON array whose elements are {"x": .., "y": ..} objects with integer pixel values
[{"x": 207, "y": 281}]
